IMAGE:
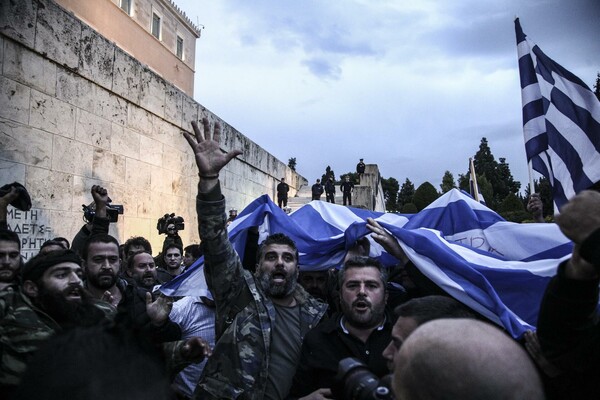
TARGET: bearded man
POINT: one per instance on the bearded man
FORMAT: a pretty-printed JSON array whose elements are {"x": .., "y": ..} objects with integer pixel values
[
  {"x": 261, "y": 318},
  {"x": 362, "y": 330},
  {"x": 133, "y": 299},
  {"x": 51, "y": 299}
]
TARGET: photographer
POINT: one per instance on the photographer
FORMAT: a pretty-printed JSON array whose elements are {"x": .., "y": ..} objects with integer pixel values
[{"x": 99, "y": 222}]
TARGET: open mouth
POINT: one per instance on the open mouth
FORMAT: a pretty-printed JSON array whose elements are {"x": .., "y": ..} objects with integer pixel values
[
  {"x": 361, "y": 305},
  {"x": 73, "y": 294},
  {"x": 278, "y": 277}
]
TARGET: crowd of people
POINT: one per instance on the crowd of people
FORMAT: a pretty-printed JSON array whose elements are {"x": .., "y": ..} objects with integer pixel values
[
  {"x": 327, "y": 187},
  {"x": 85, "y": 319}
]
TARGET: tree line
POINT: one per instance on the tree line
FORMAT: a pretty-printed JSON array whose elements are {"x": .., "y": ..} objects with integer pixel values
[{"x": 495, "y": 181}]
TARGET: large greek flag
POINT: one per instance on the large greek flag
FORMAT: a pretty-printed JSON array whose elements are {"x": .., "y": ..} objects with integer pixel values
[
  {"x": 496, "y": 267},
  {"x": 561, "y": 122}
]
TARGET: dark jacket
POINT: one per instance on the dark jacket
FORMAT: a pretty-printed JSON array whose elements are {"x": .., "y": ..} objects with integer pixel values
[
  {"x": 132, "y": 311},
  {"x": 570, "y": 336},
  {"x": 317, "y": 189},
  {"x": 327, "y": 344},
  {"x": 282, "y": 190}
]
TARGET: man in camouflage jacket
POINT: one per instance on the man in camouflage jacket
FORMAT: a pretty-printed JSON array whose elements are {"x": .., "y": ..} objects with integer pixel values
[{"x": 247, "y": 305}]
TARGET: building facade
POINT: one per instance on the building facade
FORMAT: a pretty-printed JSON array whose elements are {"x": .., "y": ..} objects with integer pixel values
[{"x": 155, "y": 32}]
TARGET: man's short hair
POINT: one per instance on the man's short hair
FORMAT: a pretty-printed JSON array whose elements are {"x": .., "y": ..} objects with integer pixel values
[
  {"x": 62, "y": 239},
  {"x": 172, "y": 245},
  {"x": 194, "y": 249},
  {"x": 429, "y": 308},
  {"x": 98, "y": 238},
  {"x": 10, "y": 236},
  {"x": 362, "y": 262},
  {"x": 35, "y": 268},
  {"x": 276, "y": 238},
  {"x": 138, "y": 241},
  {"x": 130, "y": 259}
]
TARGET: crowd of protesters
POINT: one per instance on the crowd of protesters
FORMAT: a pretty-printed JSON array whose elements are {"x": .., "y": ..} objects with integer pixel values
[{"x": 86, "y": 320}]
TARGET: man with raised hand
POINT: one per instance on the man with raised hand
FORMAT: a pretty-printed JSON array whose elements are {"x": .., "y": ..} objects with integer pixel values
[{"x": 261, "y": 318}]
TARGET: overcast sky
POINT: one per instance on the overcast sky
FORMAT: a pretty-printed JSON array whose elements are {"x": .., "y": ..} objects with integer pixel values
[{"x": 412, "y": 86}]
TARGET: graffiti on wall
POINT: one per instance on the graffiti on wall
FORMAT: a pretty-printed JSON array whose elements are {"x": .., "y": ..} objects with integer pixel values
[{"x": 32, "y": 228}]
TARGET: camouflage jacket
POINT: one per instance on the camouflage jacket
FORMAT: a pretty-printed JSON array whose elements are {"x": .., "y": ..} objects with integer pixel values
[
  {"x": 239, "y": 364},
  {"x": 23, "y": 329}
]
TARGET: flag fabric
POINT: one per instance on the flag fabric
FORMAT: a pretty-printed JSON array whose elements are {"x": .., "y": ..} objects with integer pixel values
[
  {"x": 561, "y": 122},
  {"x": 498, "y": 268}
]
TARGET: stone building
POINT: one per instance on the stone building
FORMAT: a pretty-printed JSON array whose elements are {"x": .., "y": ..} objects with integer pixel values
[
  {"x": 77, "y": 110},
  {"x": 154, "y": 32}
]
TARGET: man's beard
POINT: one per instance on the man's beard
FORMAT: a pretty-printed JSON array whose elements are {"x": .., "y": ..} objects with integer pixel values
[
  {"x": 363, "y": 320},
  {"x": 271, "y": 289},
  {"x": 103, "y": 280},
  {"x": 68, "y": 313},
  {"x": 147, "y": 280}
]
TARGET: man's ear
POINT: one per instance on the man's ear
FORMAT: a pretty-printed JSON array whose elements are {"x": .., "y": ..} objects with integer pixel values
[{"x": 30, "y": 288}]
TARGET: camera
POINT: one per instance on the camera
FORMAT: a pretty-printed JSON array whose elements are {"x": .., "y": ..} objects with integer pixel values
[
  {"x": 112, "y": 212},
  {"x": 169, "y": 219},
  {"x": 354, "y": 381},
  {"x": 23, "y": 201}
]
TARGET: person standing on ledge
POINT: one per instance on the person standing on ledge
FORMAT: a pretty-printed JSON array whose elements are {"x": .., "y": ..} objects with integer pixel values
[{"x": 282, "y": 193}]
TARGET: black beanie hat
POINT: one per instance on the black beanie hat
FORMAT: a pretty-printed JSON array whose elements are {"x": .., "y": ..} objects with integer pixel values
[{"x": 35, "y": 268}]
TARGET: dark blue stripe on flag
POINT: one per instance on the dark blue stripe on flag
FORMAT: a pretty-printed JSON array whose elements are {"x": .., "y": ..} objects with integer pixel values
[
  {"x": 536, "y": 145},
  {"x": 563, "y": 148},
  {"x": 580, "y": 116},
  {"x": 551, "y": 65},
  {"x": 527, "y": 71},
  {"x": 532, "y": 110},
  {"x": 520, "y": 35}
]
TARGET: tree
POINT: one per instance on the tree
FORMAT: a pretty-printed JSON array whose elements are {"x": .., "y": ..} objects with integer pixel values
[
  {"x": 512, "y": 209},
  {"x": 424, "y": 195},
  {"x": 597, "y": 87},
  {"x": 407, "y": 191},
  {"x": 354, "y": 178},
  {"x": 463, "y": 182},
  {"x": 390, "y": 194},
  {"x": 447, "y": 182},
  {"x": 292, "y": 163},
  {"x": 409, "y": 208},
  {"x": 485, "y": 188},
  {"x": 497, "y": 174},
  {"x": 506, "y": 183}
]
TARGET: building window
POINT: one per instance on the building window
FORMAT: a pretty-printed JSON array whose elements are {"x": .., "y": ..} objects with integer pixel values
[
  {"x": 156, "y": 25},
  {"x": 125, "y": 6},
  {"x": 180, "y": 47}
]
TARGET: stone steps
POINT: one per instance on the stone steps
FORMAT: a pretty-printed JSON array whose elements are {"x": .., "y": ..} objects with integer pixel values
[{"x": 304, "y": 196}]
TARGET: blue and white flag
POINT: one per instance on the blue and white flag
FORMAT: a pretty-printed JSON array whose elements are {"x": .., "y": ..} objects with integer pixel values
[
  {"x": 561, "y": 122},
  {"x": 498, "y": 268}
]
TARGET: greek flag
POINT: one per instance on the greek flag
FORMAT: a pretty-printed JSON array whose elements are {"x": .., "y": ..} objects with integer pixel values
[
  {"x": 561, "y": 122},
  {"x": 498, "y": 268}
]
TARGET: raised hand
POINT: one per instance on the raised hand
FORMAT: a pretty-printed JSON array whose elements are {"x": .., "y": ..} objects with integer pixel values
[
  {"x": 536, "y": 207},
  {"x": 210, "y": 159},
  {"x": 101, "y": 199},
  {"x": 386, "y": 240},
  {"x": 158, "y": 310}
]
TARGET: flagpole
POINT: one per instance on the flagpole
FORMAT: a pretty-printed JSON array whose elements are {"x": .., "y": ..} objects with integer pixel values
[
  {"x": 531, "y": 185},
  {"x": 474, "y": 180}
]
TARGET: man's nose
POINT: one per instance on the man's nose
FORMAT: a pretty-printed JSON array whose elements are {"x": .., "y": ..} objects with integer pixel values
[{"x": 74, "y": 279}]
